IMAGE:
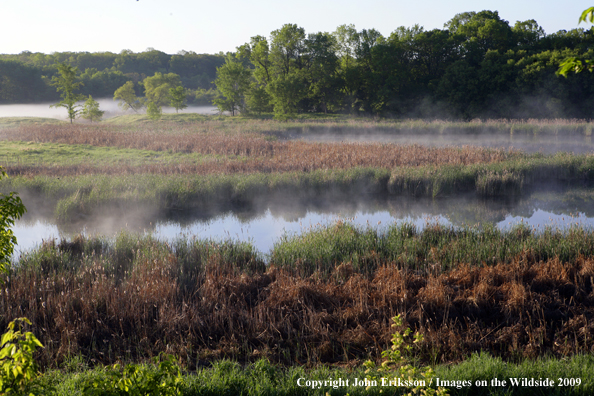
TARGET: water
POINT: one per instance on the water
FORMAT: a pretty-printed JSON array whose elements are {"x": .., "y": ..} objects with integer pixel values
[
  {"x": 265, "y": 225},
  {"x": 108, "y": 105},
  {"x": 546, "y": 144}
]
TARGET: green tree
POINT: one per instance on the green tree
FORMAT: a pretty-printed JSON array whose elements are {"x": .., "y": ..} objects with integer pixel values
[
  {"x": 127, "y": 97},
  {"x": 156, "y": 88},
  {"x": 233, "y": 80},
  {"x": 289, "y": 77},
  {"x": 287, "y": 49},
  {"x": 154, "y": 111},
  {"x": 177, "y": 98},
  {"x": 347, "y": 40},
  {"x": 90, "y": 110},
  {"x": 322, "y": 66},
  {"x": 101, "y": 83},
  {"x": 66, "y": 83},
  {"x": 257, "y": 52},
  {"x": 527, "y": 33},
  {"x": 286, "y": 92},
  {"x": 257, "y": 99}
]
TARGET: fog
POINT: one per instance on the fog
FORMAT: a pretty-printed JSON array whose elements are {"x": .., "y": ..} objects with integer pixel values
[
  {"x": 108, "y": 105},
  {"x": 546, "y": 144},
  {"x": 264, "y": 222}
]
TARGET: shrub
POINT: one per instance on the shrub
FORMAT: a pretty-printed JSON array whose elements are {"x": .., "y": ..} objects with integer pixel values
[
  {"x": 396, "y": 366},
  {"x": 18, "y": 370}
]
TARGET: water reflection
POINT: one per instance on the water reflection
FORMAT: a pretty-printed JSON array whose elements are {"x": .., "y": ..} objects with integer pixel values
[{"x": 265, "y": 222}]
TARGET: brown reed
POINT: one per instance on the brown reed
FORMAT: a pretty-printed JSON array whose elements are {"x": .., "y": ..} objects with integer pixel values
[
  {"x": 237, "y": 153},
  {"x": 113, "y": 311}
]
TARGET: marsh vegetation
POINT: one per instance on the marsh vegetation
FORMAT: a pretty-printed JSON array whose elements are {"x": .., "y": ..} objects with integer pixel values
[{"x": 322, "y": 296}]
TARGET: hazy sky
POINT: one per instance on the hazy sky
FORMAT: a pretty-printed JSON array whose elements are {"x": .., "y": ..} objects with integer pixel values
[{"x": 221, "y": 25}]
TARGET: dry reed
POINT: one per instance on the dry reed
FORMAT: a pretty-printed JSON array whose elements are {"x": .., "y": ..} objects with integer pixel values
[
  {"x": 525, "y": 308},
  {"x": 239, "y": 153}
]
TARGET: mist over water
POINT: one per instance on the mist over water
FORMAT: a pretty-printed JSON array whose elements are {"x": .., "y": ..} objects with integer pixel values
[
  {"x": 108, "y": 105},
  {"x": 264, "y": 224},
  {"x": 531, "y": 144}
]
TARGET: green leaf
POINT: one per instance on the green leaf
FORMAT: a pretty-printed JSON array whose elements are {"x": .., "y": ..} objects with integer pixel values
[
  {"x": 587, "y": 16},
  {"x": 6, "y": 337}
]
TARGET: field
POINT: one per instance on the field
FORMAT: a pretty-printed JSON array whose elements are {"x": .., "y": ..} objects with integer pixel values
[{"x": 324, "y": 297}]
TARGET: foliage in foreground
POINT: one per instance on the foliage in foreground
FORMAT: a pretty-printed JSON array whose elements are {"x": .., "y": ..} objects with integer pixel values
[
  {"x": 18, "y": 369},
  {"x": 163, "y": 380},
  {"x": 11, "y": 209},
  {"x": 397, "y": 369},
  {"x": 225, "y": 377}
]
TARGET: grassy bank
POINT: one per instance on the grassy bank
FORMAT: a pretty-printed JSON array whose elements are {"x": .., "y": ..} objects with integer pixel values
[
  {"x": 319, "y": 123},
  {"x": 263, "y": 378},
  {"x": 328, "y": 296},
  {"x": 89, "y": 193}
]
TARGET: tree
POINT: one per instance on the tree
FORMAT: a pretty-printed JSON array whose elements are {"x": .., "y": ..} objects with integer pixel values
[
  {"x": 66, "y": 83},
  {"x": 177, "y": 97},
  {"x": 322, "y": 65},
  {"x": 11, "y": 209},
  {"x": 286, "y": 92},
  {"x": 289, "y": 59},
  {"x": 90, "y": 110},
  {"x": 232, "y": 81},
  {"x": 287, "y": 49},
  {"x": 154, "y": 111},
  {"x": 156, "y": 88},
  {"x": 258, "y": 52},
  {"x": 257, "y": 99},
  {"x": 127, "y": 97}
]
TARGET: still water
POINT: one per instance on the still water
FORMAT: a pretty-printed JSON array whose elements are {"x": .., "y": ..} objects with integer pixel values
[
  {"x": 108, "y": 105},
  {"x": 265, "y": 225}
]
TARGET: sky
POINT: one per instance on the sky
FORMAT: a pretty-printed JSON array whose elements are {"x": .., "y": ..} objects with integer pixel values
[{"x": 219, "y": 26}]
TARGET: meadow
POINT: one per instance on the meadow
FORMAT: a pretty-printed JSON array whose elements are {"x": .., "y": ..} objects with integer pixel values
[{"x": 321, "y": 299}]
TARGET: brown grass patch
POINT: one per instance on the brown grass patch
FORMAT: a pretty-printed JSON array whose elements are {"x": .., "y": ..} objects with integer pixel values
[
  {"x": 522, "y": 309},
  {"x": 257, "y": 154}
]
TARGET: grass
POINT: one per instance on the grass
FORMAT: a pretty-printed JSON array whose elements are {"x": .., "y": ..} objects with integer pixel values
[
  {"x": 436, "y": 247},
  {"x": 14, "y": 154},
  {"x": 238, "y": 140},
  {"x": 327, "y": 296},
  {"x": 11, "y": 122},
  {"x": 124, "y": 164},
  {"x": 264, "y": 378},
  {"x": 119, "y": 185}
]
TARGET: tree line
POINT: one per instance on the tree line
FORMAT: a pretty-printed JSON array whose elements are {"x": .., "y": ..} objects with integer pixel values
[
  {"x": 477, "y": 66},
  {"x": 26, "y": 77}
]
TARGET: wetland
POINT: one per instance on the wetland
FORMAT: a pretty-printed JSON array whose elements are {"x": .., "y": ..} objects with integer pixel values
[{"x": 244, "y": 238}]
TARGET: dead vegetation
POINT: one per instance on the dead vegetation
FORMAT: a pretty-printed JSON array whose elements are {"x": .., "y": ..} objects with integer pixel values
[
  {"x": 108, "y": 309},
  {"x": 237, "y": 153}
]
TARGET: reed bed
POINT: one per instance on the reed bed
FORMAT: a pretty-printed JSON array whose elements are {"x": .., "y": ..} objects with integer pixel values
[
  {"x": 132, "y": 298},
  {"x": 88, "y": 193},
  {"x": 255, "y": 152},
  {"x": 437, "y": 247}
]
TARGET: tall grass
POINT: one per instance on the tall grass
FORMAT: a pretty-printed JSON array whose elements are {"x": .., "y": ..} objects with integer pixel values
[
  {"x": 84, "y": 194},
  {"x": 325, "y": 297},
  {"x": 436, "y": 247}
]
